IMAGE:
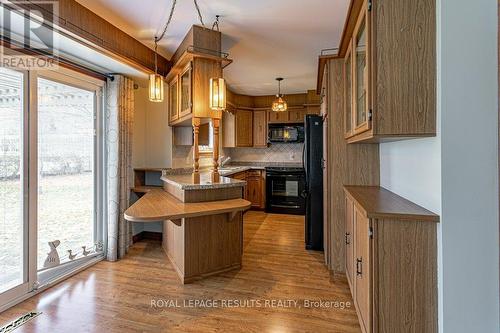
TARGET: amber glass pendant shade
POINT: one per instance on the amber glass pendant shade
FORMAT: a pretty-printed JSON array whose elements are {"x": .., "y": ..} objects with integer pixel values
[
  {"x": 156, "y": 88},
  {"x": 217, "y": 94},
  {"x": 279, "y": 105}
]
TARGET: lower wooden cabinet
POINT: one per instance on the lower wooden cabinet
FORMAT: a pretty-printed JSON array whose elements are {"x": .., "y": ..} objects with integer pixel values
[
  {"x": 255, "y": 189},
  {"x": 349, "y": 237},
  {"x": 391, "y": 261}
]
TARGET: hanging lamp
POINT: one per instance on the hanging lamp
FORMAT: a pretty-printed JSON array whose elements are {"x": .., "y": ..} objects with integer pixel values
[
  {"x": 217, "y": 94},
  {"x": 156, "y": 92},
  {"x": 279, "y": 104}
]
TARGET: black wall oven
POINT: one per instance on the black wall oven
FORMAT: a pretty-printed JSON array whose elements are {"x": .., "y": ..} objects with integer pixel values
[{"x": 284, "y": 189}]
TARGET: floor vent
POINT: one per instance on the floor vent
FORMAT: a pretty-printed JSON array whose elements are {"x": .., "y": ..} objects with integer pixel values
[{"x": 19, "y": 322}]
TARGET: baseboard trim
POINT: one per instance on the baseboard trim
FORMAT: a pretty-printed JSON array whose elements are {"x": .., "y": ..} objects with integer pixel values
[{"x": 150, "y": 235}]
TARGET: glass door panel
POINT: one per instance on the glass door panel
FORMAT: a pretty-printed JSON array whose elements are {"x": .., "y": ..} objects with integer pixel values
[
  {"x": 13, "y": 216},
  {"x": 361, "y": 74},
  {"x": 348, "y": 92},
  {"x": 66, "y": 173}
]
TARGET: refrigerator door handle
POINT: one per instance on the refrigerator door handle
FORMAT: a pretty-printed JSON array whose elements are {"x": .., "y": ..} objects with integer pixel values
[{"x": 304, "y": 164}]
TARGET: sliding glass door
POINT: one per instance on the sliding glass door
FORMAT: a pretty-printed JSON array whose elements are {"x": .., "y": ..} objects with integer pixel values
[
  {"x": 14, "y": 243},
  {"x": 66, "y": 173},
  {"x": 50, "y": 177}
]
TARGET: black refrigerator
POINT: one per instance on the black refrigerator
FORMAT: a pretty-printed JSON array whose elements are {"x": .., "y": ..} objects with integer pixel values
[{"x": 313, "y": 167}]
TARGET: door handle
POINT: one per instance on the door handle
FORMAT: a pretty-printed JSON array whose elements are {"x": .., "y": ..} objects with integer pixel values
[
  {"x": 347, "y": 238},
  {"x": 359, "y": 267}
]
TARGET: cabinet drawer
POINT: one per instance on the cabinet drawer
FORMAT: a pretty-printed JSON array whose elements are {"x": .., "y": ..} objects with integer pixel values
[{"x": 253, "y": 173}]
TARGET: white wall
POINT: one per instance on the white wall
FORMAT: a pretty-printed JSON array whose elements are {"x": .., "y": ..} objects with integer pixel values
[
  {"x": 469, "y": 102},
  {"x": 456, "y": 173},
  {"x": 152, "y": 141},
  {"x": 152, "y": 135}
]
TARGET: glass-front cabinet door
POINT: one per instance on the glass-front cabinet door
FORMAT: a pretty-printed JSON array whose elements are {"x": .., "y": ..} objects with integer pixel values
[
  {"x": 348, "y": 102},
  {"x": 173, "y": 102},
  {"x": 360, "y": 56},
  {"x": 185, "y": 92}
]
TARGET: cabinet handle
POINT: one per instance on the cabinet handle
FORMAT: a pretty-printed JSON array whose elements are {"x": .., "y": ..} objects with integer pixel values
[
  {"x": 347, "y": 238},
  {"x": 359, "y": 267}
]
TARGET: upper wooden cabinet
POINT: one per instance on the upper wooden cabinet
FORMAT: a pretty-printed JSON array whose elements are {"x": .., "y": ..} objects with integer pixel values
[
  {"x": 297, "y": 115},
  {"x": 237, "y": 129},
  {"x": 260, "y": 129},
  {"x": 389, "y": 48},
  {"x": 185, "y": 95},
  {"x": 196, "y": 60},
  {"x": 277, "y": 117},
  {"x": 173, "y": 100},
  {"x": 293, "y": 115}
]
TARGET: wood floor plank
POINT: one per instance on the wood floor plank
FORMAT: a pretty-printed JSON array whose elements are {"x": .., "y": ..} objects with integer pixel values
[{"x": 116, "y": 297}]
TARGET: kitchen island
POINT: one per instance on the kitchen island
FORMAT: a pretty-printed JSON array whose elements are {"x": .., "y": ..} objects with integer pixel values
[{"x": 202, "y": 222}]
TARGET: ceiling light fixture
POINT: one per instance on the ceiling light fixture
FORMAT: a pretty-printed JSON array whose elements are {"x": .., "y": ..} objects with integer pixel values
[
  {"x": 217, "y": 94},
  {"x": 156, "y": 92},
  {"x": 279, "y": 104}
]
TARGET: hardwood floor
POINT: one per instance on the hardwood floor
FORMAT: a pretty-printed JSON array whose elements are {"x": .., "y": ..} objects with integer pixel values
[{"x": 117, "y": 297}]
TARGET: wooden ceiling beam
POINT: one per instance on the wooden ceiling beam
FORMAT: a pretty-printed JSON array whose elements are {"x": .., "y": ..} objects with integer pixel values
[{"x": 83, "y": 25}]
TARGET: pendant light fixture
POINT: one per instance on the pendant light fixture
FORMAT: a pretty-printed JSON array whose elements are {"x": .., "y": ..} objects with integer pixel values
[
  {"x": 279, "y": 104},
  {"x": 156, "y": 81},
  {"x": 156, "y": 92},
  {"x": 217, "y": 94}
]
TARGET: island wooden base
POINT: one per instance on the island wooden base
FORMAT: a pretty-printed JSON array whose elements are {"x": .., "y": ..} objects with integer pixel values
[{"x": 202, "y": 246}]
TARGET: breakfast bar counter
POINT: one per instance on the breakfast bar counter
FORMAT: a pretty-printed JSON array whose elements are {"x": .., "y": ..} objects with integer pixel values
[
  {"x": 158, "y": 205},
  {"x": 202, "y": 222}
]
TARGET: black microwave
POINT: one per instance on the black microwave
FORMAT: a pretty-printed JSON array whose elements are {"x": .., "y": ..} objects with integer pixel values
[{"x": 286, "y": 133}]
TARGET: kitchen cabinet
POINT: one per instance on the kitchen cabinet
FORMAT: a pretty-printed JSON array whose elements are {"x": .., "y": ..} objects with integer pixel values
[
  {"x": 348, "y": 102},
  {"x": 196, "y": 60},
  {"x": 297, "y": 115},
  {"x": 255, "y": 189},
  {"x": 363, "y": 295},
  {"x": 185, "y": 95},
  {"x": 277, "y": 117},
  {"x": 391, "y": 261},
  {"x": 349, "y": 236},
  {"x": 293, "y": 115},
  {"x": 173, "y": 94},
  {"x": 390, "y": 70},
  {"x": 237, "y": 129},
  {"x": 260, "y": 129}
]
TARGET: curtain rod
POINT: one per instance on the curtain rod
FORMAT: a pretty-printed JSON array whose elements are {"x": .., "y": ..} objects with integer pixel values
[{"x": 64, "y": 62}]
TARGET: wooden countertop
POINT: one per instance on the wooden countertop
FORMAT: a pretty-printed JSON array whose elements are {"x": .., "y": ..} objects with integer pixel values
[
  {"x": 158, "y": 205},
  {"x": 379, "y": 203}
]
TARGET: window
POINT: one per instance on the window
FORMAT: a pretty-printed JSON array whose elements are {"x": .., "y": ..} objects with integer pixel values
[{"x": 50, "y": 177}]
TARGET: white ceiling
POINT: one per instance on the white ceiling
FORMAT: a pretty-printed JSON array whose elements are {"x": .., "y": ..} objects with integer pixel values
[{"x": 265, "y": 38}]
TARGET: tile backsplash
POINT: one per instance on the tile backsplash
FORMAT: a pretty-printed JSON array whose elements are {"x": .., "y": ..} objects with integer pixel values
[{"x": 279, "y": 152}]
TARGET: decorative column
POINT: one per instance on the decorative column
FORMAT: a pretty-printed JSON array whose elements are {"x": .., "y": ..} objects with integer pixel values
[
  {"x": 215, "y": 171},
  {"x": 196, "y": 149}
]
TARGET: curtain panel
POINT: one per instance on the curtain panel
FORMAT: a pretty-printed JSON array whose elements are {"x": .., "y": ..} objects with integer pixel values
[{"x": 119, "y": 175}]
